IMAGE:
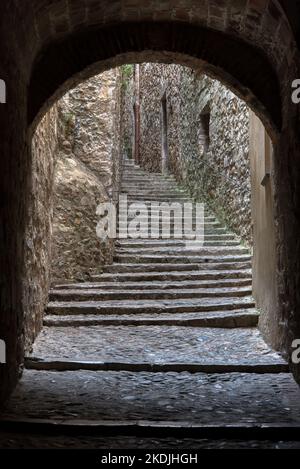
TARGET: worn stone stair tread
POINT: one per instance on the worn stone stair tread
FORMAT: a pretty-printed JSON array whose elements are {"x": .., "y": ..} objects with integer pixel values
[
  {"x": 161, "y": 400},
  {"x": 180, "y": 258},
  {"x": 148, "y": 217},
  {"x": 153, "y": 285},
  {"x": 152, "y": 243},
  {"x": 167, "y": 251},
  {"x": 201, "y": 261},
  {"x": 206, "y": 267},
  {"x": 150, "y": 191},
  {"x": 151, "y": 247},
  {"x": 155, "y": 345},
  {"x": 150, "y": 306},
  {"x": 223, "y": 254},
  {"x": 224, "y": 319},
  {"x": 161, "y": 244},
  {"x": 146, "y": 234},
  {"x": 157, "y": 198},
  {"x": 94, "y": 294},
  {"x": 121, "y": 275}
]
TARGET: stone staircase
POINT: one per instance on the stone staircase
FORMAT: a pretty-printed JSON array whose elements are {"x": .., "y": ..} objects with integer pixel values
[{"x": 161, "y": 344}]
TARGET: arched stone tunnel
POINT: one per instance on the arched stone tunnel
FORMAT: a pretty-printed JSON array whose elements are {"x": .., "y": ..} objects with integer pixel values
[{"x": 48, "y": 47}]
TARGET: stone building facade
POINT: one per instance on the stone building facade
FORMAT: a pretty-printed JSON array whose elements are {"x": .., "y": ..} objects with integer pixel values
[{"x": 199, "y": 130}]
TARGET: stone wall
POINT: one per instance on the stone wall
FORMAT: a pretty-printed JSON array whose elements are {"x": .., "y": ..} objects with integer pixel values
[
  {"x": 127, "y": 110},
  {"x": 75, "y": 166},
  {"x": 214, "y": 150},
  {"x": 208, "y": 139},
  {"x": 87, "y": 173},
  {"x": 265, "y": 288},
  {"x": 39, "y": 225}
]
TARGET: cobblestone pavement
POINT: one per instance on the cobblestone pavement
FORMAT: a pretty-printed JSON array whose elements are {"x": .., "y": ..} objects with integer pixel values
[
  {"x": 155, "y": 344},
  {"x": 157, "y": 304},
  {"x": 233, "y": 398}
]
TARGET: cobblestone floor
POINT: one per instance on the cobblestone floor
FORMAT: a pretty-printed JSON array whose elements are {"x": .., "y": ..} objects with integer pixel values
[
  {"x": 155, "y": 344},
  {"x": 228, "y": 398}
]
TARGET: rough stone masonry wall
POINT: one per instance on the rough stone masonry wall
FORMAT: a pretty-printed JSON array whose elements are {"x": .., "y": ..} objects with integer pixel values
[
  {"x": 75, "y": 163},
  {"x": 39, "y": 225},
  {"x": 87, "y": 173},
  {"x": 219, "y": 174},
  {"x": 127, "y": 110}
]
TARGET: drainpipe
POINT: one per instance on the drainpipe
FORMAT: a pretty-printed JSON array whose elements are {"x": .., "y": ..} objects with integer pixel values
[{"x": 137, "y": 116}]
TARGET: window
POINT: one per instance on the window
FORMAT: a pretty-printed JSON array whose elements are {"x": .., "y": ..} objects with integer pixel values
[{"x": 204, "y": 128}]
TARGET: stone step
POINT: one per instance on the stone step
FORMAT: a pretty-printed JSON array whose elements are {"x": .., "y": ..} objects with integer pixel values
[
  {"x": 174, "y": 242},
  {"x": 179, "y": 251},
  {"x": 156, "y": 205},
  {"x": 148, "y": 221},
  {"x": 156, "y": 194},
  {"x": 146, "y": 181},
  {"x": 180, "y": 258},
  {"x": 145, "y": 215},
  {"x": 171, "y": 276},
  {"x": 155, "y": 345},
  {"x": 151, "y": 185},
  {"x": 158, "y": 198},
  {"x": 201, "y": 269},
  {"x": 128, "y": 177},
  {"x": 148, "y": 285},
  {"x": 145, "y": 233},
  {"x": 69, "y": 365},
  {"x": 167, "y": 234},
  {"x": 169, "y": 243},
  {"x": 156, "y": 294},
  {"x": 224, "y": 319},
  {"x": 143, "y": 186},
  {"x": 149, "y": 306},
  {"x": 264, "y": 406},
  {"x": 153, "y": 192},
  {"x": 139, "y": 170},
  {"x": 134, "y": 175}
]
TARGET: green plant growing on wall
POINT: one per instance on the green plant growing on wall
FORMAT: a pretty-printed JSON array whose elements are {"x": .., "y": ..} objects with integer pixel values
[
  {"x": 67, "y": 123},
  {"x": 127, "y": 74}
]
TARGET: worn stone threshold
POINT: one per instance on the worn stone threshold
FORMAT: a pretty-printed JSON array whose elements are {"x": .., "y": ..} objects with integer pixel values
[{"x": 48, "y": 364}]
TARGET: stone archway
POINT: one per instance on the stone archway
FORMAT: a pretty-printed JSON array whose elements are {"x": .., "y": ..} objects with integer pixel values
[{"x": 46, "y": 49}]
